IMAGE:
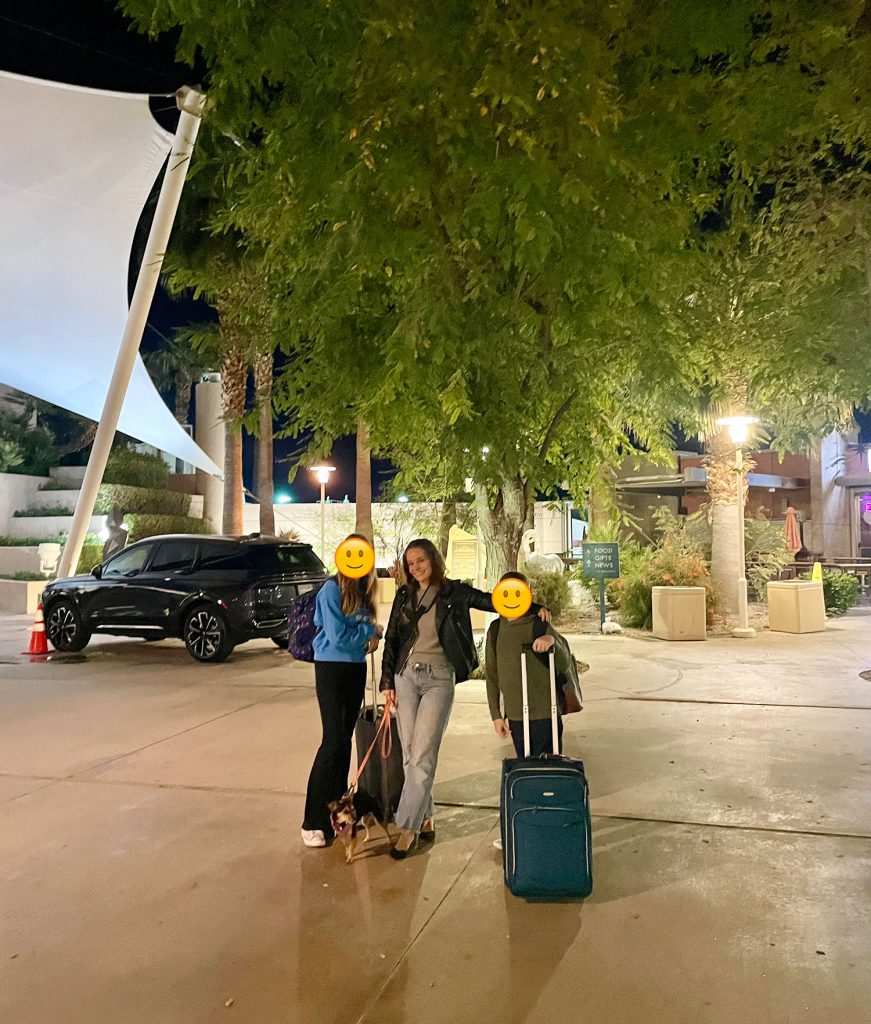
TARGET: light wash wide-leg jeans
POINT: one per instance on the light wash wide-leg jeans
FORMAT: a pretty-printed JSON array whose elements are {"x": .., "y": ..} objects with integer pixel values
[{"x": 425, "y": 696}]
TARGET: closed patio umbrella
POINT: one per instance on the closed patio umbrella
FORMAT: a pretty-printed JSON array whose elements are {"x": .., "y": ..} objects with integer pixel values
[{"x": 793, "y": 533}]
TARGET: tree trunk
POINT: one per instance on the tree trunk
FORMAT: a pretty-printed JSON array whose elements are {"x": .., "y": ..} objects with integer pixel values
[
  {"x": 233, "y": 498},
  {"x": 502, "y": 525},
  {"x": 722, "y": 495},
  {"x": 264, "y": 482},
  {"x": 183, "y": 387},
  {"x": 602, "y": 501},
  {"x": 363, "y": 524},
  {"x": 234, "y": 373},
  {"x": 447, "y": 519}
]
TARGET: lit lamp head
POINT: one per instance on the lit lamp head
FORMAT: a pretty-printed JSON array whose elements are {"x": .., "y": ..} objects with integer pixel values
[
  {"x": 322, "y": 473},
  {"x": 738, "y": 427}
]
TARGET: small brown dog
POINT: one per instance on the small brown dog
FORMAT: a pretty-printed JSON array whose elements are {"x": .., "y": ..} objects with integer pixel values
[{"x": 364, "y": 838}]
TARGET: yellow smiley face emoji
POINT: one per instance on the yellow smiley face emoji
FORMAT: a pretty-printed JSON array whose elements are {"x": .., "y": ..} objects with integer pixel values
[
  {"x": 511, "y": 598},
  {"x": 355, "y": 558}
]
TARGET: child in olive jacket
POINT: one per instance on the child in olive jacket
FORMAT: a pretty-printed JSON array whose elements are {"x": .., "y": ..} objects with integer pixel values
[{"x": 506, "y": 639}]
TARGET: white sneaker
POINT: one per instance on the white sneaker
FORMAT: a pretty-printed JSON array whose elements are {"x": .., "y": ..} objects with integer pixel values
[
  {"x": 312, "y": 837},
  {"x": 497, "y": 844}
]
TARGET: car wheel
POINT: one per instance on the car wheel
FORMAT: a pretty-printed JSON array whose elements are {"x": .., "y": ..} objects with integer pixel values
[
  {"x": 64, "y": 627},
  {"x": 281, "y": 641},
  {"x": 207, "y": 634}
]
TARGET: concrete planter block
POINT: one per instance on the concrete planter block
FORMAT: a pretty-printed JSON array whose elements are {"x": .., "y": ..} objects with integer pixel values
[
  {"x": 19, "y": 559},
  {"x": 796, "y": 606},
  {"x": 384, "y": 594},
  {"x": 386, "y": 590},
  {"x": 20, "y": 596},
  {"x": 679, "y": 613}
]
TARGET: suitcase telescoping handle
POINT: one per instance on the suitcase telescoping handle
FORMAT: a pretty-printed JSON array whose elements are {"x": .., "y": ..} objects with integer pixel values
[
  {"x": 554, "y": 726},
  {"x": 374, "y": 686}
]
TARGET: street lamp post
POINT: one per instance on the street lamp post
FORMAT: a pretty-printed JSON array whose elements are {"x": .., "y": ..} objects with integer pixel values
[
  {"x": 323, "y": 478},
  {"x": 739, "y": 428}
]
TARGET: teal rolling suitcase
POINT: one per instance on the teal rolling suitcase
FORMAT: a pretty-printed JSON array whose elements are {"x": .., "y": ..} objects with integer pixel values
[{"x": 545, "y": 818}]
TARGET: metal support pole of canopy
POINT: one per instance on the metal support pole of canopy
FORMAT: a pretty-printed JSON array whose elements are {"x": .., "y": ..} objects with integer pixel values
[{"x": 192, "y": 105}]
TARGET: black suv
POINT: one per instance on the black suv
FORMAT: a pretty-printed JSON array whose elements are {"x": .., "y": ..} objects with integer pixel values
[{"x": 212, "y": 592}]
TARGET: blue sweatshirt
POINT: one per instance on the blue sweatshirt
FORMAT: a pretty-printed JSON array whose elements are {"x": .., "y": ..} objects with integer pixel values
[{"x": 339, "y": 637}]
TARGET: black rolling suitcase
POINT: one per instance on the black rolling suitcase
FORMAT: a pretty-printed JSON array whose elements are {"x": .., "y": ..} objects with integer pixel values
[
  {"x": 545, "y": 817},
  {"x": 380, "y": 784}
]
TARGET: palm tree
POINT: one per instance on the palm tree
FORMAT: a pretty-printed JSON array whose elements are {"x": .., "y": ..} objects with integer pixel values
[
  {"x": 264, "y": 484},
  {"x": 363, "y": 524},
  {"x": 177, "y": 367},
  {"x": 234, "y": 381}
]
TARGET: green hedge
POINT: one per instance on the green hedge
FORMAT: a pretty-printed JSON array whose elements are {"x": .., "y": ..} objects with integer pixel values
[
  {"x": 47, "y": 510},
  {"x": 134, "y": 469},
  {"x": 147, "y": 500},
  {"x": 145, "y": 525},
  {"x": 31, "y": 542},
  {"x": 92, "y": 554}
]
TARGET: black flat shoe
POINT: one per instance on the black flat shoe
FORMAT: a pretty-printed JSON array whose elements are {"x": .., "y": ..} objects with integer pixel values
[
  {"x": 405, "y": 845},
  {"x": 427, "y": 834}
]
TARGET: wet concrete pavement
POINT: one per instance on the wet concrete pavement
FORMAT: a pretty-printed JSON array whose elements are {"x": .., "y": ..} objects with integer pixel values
[{"x": 151, "y": 871}]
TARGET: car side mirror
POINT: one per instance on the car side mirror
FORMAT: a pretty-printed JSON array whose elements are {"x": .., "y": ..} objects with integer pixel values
[{"x": 97, "y": 571}]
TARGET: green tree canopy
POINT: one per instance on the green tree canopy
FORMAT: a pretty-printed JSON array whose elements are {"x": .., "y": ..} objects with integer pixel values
[{"x": 491, "y": 217}]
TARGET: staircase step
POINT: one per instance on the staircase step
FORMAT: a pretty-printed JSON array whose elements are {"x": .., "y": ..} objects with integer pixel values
[
  {"x": 49, "y": 526},
  {"x": 68, "y": 474}
]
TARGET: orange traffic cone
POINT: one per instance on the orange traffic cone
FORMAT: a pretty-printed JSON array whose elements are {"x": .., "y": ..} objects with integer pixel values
[{"x": 38, "y": 644}]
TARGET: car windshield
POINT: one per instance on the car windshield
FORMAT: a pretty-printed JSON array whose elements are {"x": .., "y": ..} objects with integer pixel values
[{"x": 270, "y": 559}]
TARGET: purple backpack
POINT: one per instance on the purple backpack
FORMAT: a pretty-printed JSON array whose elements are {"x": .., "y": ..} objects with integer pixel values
[{"x": 301, "y": 628}]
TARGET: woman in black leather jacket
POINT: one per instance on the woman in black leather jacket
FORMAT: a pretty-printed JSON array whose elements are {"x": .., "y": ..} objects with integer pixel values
[{"x": 428, "y": 647}]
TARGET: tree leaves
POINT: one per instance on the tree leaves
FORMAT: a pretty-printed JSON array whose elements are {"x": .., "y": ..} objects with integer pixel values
[{"x": 471, "y": 215}]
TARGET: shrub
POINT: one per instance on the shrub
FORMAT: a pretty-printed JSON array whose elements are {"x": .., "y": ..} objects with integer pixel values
[
  {"x": 57, "y": 485},
  {"x": 550, "y": 589},
  {"x": 48, "y": 510},
  {"x": 24, "y": 577},
  {"x": 10, "y": 455},
  {"x": 35, "y": 445},
  {"x": 840, "y": 590},
  {"x": 148, "y": 500},
  {"x": 766, "y": 552},
  {"x": 145, "y": 525},
  {"x": 135, "y": 469},
  {"x": 677, "y": 561},
  {"x": 31, "y": 542}
]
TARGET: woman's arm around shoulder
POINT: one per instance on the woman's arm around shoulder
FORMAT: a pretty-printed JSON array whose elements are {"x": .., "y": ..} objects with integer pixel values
[{"x": 470, "y": 596}]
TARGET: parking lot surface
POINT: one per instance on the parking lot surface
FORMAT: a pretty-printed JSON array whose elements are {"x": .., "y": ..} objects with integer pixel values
[{"x": 151, "y": 870}]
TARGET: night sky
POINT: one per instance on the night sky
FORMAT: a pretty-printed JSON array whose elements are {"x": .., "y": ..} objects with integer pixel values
[{"x": 89, "y": 43}]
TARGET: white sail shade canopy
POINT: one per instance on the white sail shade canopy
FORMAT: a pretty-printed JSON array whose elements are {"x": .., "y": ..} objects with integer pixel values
[{"x": 76, "y": 167}]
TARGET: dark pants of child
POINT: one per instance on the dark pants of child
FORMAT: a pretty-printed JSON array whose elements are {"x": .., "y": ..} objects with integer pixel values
[
  {"x": 540, "y": 735},
  {"x": 339, "y": 686}
]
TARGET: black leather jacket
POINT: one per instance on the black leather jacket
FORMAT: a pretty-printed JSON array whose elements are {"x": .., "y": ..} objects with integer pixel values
[{"x": 453, "y": 623}]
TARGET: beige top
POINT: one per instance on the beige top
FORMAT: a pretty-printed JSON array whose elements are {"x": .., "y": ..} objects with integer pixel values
[{"x": 428, "y": 648}]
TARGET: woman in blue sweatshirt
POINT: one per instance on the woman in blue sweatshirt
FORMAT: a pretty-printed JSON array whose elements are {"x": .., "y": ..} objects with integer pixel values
[{"x": 347, "y": 631}]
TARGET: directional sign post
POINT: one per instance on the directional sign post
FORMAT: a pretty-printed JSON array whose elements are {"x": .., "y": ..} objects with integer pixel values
[{"x": 601, "y": 562}]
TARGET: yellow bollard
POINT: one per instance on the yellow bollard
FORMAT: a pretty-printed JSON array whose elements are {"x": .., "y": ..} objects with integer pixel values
[{"x": 817, "y": 573}]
